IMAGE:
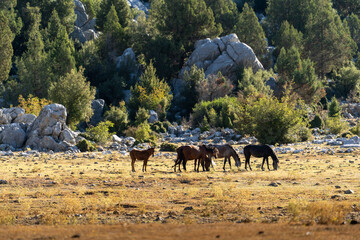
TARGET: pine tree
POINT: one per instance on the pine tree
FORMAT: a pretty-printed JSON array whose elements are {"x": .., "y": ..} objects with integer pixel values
[
  {"x": 328, "y": 41},
  {"x": 347, "y": 7},
  {"x": 287, "y": 37},
  {"x": 122, "y": 11},
  {"x": 184, "y": 21},
  {"x": 287, "y": 63},
  {"x": 113, "y": 41},
  {"x": 32, "y": 67},
  {"x": 353, "y": 23},
  {"x": 6, "y": 50},
  {"x": 225, "y": 13},
  {"x": 250, "y": 32}
]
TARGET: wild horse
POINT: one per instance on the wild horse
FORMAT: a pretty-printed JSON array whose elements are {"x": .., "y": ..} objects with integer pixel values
[
  {"x": 143, "y": 155},
  {"x": 226, "y": 151},
  {"x": 263, "y": 151},
  {"x": 201, "y": 153}
]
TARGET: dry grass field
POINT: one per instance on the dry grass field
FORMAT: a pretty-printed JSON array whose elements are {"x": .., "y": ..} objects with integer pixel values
[{"x": 94, "y": 193}]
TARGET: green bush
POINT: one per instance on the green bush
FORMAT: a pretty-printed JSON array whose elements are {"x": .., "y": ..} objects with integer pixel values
[
  {"x": 355, "y": 130},
  {"x": 334, "y": 108},
  {"x": 158, "y": 127},
  {"x": 86, "y": 146},
  {"x": 100, "y": 134},
  {"x": 141, "y": 133},
  {"x": 335, "y": 125},
  {"x": 168, "y": 147},
  {"x": 118, "y": 116},
  {"x": 317, "y": 122}
]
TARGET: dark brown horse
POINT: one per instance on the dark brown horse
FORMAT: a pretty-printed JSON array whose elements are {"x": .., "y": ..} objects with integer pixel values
[
  {"x": 201, "y": 153},
  {"x": 226, "y": 151},
  {"x": 142, "y": 155},
  {"x": 263, "y": 151}
]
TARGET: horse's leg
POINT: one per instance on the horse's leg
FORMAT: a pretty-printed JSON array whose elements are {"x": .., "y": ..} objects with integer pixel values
[
  {"x": 184, "y": 164},
  {"x": 229, "y": 160},
  {"x": 195, "y": 165},
  {"x": 144, "y": 168},
  {"x": 249, "y": 163},
  {"x": 262, "y": 165},
  {"x": 224, "y": 164},
  {"x": 133, "y": 163},
  {"x": 267, "y": 162},
  {"x": 198, "y": 164}
]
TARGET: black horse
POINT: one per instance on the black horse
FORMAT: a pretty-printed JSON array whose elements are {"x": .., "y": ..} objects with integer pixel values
[{"x": 260, "y": 151}]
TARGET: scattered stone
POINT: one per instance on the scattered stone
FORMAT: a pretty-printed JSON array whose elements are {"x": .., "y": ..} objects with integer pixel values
[
  {"x": 188, "y": 208},
  {"x": 3, "y": 182},
  {"x": 349, "y": 191},
  {"x": 337, "y": 186},
  {"x": 273, "y": 184}
]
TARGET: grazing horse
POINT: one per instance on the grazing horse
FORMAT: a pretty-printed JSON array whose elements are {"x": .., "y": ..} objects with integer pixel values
[
  {"x": 191, "y": 152},
  {"x": 260, "y": 151},
  {"x": 142, "y": 155},
  {"x": 226, "y": 151}
]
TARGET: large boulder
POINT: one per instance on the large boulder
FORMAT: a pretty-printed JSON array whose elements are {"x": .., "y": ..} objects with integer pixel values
[
  {"x": 13, "y": 134},
  {"x": 139, "y": 5},
  {"x": 7, "y": 115},
  {"x": 49, "y": 130},
  {"x": 84, "y": 29},
  {"x": 97, "y": 106},
  {"x": 223, "y": 55},
  {"x": 81, "y": 16}
]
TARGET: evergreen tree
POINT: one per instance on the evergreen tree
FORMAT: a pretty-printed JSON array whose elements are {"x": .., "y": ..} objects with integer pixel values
[
  {"x": 347, "y": 7},
  {"x": 296, "y": 12},
  {"x": 14, "y": 21},
  {"x": 32, "y": 67},
  {"x": 287, "y": 63},
  {"x": 225, "y": 13},
  {"x": 250, "y": 32},
  {"x": 6, "y": 50},
  {"x": 328, "y": 41},
  {"x": 122, "y": 11},
  {"x": 287, "y": 37},
  {"x": 113, "y": 41},
  {"x": 184, "y": 21},
  {"x": 353, "y": 23},
  {"x": 60, "y": 49},
  {"x": 334, "y": 108},
  {"x": 347, "y": 81},
  {"x": 76, "y": 94},
  {"x": 150, "y": 93}
]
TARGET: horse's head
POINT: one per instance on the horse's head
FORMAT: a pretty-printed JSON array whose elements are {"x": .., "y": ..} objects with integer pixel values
[
  {"x": 152, "y": 151},
  {"x": 213, "y": 151},
  {"x": 275, "y": 163},
  {"x": 237, "y": 160}
]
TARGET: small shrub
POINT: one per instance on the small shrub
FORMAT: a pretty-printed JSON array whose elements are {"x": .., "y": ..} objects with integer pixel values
[
  {"x": 334, "y": 108},
  {"x": 141, "y": 133},
  {"x": 335, "y": 125},
  {"x": 158, "y": 127},
  {"x": 100, "y": 134},
  {"x": 317, "y": 122},
  {"x": 355, "y": 130},
  {"x": 118, "y": 116},
  {"x": 168, "y": 147},
  {"x": 86, "y": 146}
]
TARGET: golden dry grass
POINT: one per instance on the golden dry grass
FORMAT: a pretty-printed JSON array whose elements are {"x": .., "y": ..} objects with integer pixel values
[{"x": 93, "y": 188}]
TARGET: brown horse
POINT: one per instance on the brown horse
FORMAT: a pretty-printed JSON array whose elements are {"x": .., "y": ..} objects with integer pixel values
[
  {"x": 263, "y": 151},
  {"x": 142, "y": 155},
  {"x": 226, "y": 151},
  {"x": 201, "y": 153}
]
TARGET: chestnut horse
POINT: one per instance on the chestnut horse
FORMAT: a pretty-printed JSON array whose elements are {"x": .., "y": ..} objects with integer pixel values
[
  {"x": 226, "y": 151},
  {"x": 201, "y": 153},
  {"x": 263, "y": 151},
  {"x": 142, "y": 155}
]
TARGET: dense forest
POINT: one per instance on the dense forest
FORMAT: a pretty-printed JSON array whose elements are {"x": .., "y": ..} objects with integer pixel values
[{"x": 308, "y": 48}]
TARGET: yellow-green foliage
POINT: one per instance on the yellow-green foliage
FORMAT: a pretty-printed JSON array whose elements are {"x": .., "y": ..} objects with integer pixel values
[
  {"x": 100, "y": 134},
  {"x": 151, "y": 93},
  {"x": 336, "y": 125},
  {"x": 32, "y": 104}
]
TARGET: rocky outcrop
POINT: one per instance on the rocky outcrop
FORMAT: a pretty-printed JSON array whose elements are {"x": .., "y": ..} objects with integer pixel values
[
  {"x": 84, "y": 29},
  {"x": 223, "y": 55},
  {"x": 49, "y": 130},
  {"x": 139, "y": 5},
  {"x": 153, "y": 116},
  {"x": 13, "y": 134},
  {"x": 97, "y": 106}
]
